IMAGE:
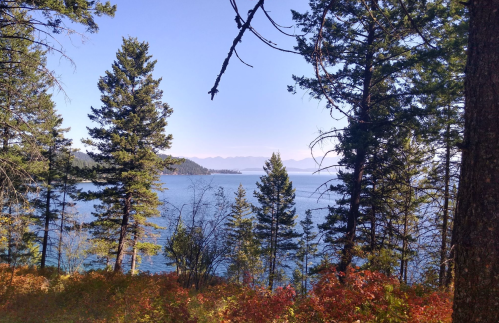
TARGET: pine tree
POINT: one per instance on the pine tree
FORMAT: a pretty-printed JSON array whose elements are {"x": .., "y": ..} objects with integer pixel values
[
  {"x": 243, "y": 245},
  {"x": 26, "y": 111},
  {"x": 307, "y": 251},
  {"x": 48, "y": 200},
  {"x": 275, "y": 215},
  {"x": 366, "y": 55},
  {"x": 442, "y": 83},
  {"x": 128, "y": 137},
  {"x": 68, "y": 190}
]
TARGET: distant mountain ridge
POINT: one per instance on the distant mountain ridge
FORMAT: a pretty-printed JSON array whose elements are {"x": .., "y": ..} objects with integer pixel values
[{"x": 252, "y": 163}]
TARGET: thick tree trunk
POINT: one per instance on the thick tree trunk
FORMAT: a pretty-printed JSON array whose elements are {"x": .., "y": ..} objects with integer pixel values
[
  {"x": 476, "y": 297},
  {"x": 123, "y": 232}
]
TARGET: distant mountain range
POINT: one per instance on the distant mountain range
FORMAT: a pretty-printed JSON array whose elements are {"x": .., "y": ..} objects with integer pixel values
[
  {"x": 256, "y": 163},
  {"x": 229, "y": 165}
]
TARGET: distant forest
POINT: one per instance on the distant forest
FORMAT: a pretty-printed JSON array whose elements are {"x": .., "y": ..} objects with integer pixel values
[{"x": 188, "y": 167}]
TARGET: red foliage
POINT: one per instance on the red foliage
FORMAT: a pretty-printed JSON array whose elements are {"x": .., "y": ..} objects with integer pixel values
[
  {"x": 29, "y": 296},
  {"x": 260, "y": 305},
  {"x": 371, "y": 297}
]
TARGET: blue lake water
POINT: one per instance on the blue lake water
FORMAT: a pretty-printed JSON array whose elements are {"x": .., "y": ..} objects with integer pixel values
[{"x": 178, "y": 193}]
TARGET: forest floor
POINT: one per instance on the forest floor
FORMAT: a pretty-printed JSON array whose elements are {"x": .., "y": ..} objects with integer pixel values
[{"x": 32, "y": 295}]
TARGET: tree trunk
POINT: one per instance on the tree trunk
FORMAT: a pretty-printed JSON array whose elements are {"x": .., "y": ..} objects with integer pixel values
[
  {"x": 445, "y": 220},
  {"x": 274, "y": 255},
  {"x": 134, "y": 252},
  {"x": 372, "y": 237},
  {"x": 476, "y": 297},
  {"x": 360, "y": 158},
  {"x": 123, "y": 232},
  {"x": 405, "y": 235},
  {"x": 449, "y": 278},
  {"x": 47, "y": 211},
  {"x": 63, "y": 209}
]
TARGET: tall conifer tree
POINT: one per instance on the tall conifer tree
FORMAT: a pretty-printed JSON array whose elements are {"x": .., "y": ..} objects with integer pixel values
[
  {"x": 276, "y": 215},
  {"x": 307, "y": 251},
  {"x": 26, "y": 111},
  {"x": 243, "y": 245},
  {"x": 128, "y": 137},
  {"x": 365, "y": 54}
]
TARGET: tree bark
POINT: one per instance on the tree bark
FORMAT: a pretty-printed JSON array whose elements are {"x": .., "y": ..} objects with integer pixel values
[
  {"x": 445, "y": 220},
  {"x": 123, "y": 232},
  {"x": 63, "y": 209},
  {"x": 134, "y": 251},
  {"x": 476, "y": 297},
  {"x": 47, "y": 211}
]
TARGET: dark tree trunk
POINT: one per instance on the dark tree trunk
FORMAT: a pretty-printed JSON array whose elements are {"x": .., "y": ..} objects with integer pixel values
[
  {"x": 274, "y": 254},
  {"x": 47, "y": 212},
  {"x": 123, "y": 232},
  {"x": 360, "y": 158},
  {"x": 61, "y": 227},
  {"x": 372, "y": 236},
  {"x": 476, "y": 297}
]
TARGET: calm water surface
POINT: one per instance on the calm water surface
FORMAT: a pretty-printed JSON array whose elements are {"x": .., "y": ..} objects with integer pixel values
[{"x": 178, "y": 193}]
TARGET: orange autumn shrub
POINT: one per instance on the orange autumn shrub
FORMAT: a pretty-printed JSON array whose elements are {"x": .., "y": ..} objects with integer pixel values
[
  {"x": 368, "y": 296},
  {"x": 362, "y": 297},
  {"x": 102, "y": 297},
  {"x": 259, "y": 305},
  {"x": 429, "y": 307},
  {"x": 21, "y": 280},
  {"x": 32, "y": 295}
]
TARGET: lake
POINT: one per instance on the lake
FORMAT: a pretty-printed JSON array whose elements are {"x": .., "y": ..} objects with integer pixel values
[{"x": 178, "y": 193}]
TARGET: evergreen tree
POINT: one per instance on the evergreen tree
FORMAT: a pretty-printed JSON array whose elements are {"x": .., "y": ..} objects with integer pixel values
[
  {"x": 69, "y": 192},
  {"x": 27, "y": 110},
  {"x": 446, "y": 98},
  {"x": 365, "y": 54},
  {"x": 129, "y": 134},
  {"x": 48, "y": 200},
  {"x": 307, "y": 251},
  {"x": 242, "y": 243},
  {"x": 276, "y": 215},
  {"x": 51, "y": 21}
]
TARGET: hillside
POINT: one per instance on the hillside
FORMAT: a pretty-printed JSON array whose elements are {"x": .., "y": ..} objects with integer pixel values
[
  {"x": 187, "y": 168},
  {"x": 83, "y": 160}
]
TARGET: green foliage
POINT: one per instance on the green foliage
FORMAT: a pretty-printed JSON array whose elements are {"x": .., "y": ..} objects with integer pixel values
[
  {"x": 243, "y": 245},
  {"x": 129, "y": 134},
  {"x": 25, "y": 119},
  {"x": 306, "y": 252},
  {"x": 276, "y": 216},
  {"x": 186, "y": 167}
]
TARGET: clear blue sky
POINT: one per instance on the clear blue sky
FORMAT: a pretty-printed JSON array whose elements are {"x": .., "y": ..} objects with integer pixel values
[{"x": 253, "y": 114}]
